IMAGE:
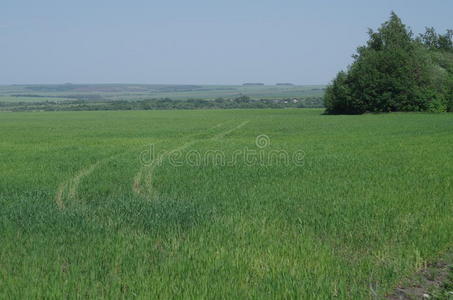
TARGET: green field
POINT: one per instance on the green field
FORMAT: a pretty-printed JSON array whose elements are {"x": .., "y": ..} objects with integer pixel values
[
  {"x": 85, "y": 213},
  {"x": 134, "y": 92}
]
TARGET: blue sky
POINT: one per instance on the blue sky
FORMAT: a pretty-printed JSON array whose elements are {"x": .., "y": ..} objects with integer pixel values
[{"x": 194, "y": 42}]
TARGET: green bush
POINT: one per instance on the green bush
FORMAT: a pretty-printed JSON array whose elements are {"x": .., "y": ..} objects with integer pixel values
[{"x": 395, "y": 72}]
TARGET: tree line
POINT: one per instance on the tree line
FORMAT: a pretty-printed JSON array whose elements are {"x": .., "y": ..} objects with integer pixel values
[{"x": 242, "y": 102}]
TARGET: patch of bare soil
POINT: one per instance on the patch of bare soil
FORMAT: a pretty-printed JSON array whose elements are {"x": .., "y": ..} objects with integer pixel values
[{"x": 434, "y": 282}]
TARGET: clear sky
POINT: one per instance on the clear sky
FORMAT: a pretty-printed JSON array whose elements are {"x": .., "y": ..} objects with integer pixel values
[{"x": 194, "y": 41}]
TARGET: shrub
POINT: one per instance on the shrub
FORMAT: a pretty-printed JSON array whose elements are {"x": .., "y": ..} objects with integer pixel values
[{"x": 395, "y": 72}]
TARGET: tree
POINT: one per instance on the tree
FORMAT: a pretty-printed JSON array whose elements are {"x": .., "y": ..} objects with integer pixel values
[
  {"x": 435, "y": 41},
  {"x": 392, "y": 72},
  {"x": 338, "y": 98}
]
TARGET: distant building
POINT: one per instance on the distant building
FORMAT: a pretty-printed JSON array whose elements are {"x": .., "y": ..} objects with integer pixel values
[{"x": 285, "y": 83}]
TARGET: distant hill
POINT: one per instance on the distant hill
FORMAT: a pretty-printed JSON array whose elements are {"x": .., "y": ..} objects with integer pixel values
[
  {"x": 252, "y": 83},
  {"x": 134, "y": 92}
]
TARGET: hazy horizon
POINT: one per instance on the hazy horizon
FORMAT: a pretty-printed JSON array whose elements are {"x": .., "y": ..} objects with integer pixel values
[
  {"x": 199, "y": 42},
  {"x": 141, "y": 83}
]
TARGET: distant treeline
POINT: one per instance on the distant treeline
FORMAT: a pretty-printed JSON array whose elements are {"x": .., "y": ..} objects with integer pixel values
[{"x": 164, "y": 104}]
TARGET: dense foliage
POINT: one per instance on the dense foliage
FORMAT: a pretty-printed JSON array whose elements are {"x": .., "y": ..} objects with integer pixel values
[
  {"x": 163, "y": 104},
  {"x": 396, "y": 72}
]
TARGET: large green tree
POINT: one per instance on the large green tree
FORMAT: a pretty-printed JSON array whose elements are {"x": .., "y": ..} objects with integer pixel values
[{"x": 393, "y": 72}]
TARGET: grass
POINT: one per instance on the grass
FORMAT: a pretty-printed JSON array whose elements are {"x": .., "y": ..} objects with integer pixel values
[
  {"x": 370, "y": 205},
  {"x": 446, "y": 290}
]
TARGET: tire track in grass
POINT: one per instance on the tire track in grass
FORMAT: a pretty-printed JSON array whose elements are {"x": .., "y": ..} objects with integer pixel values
[
  {"x": 137, "y": 185},
  {"x": 67, "y": 190},
  {"x": 223, "y": 134}
]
